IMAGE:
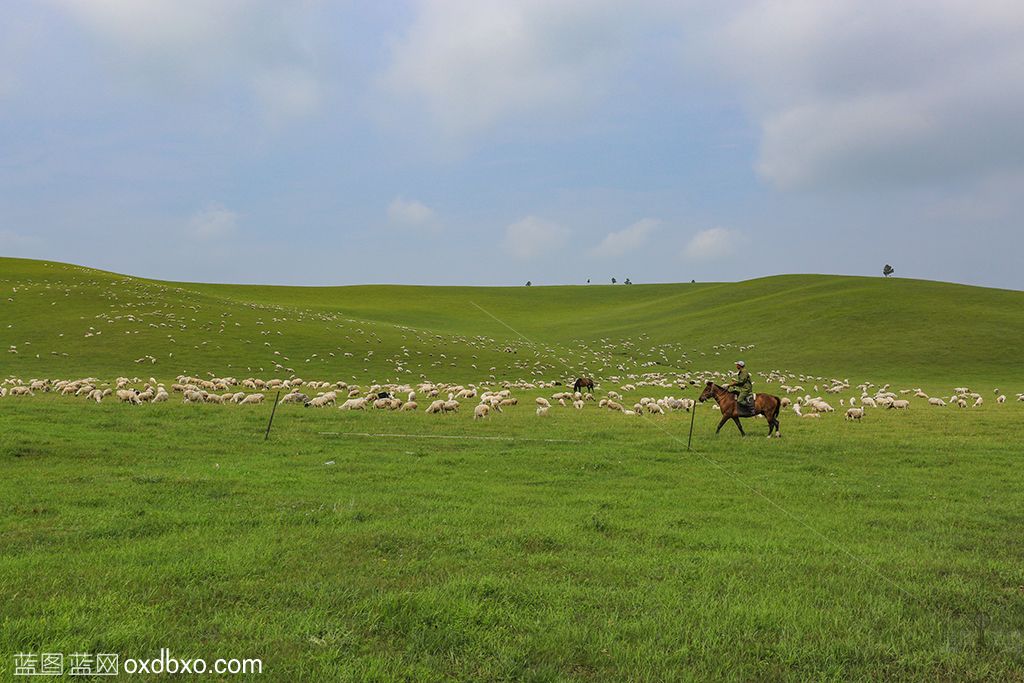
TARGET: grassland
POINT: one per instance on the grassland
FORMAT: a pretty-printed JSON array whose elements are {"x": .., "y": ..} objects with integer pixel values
[
  {"x": 896, "y": 330},
  {"x": 586, "y": 546}
]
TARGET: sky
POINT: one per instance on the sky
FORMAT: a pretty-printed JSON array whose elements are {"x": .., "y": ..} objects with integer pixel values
[{"x": 491, "y": 142}]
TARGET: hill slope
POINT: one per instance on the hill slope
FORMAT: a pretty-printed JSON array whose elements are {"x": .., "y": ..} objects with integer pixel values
[{"x": 65, "y": 320}]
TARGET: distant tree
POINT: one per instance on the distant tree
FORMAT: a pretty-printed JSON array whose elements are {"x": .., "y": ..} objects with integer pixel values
[
  {"x": 888, "y": 270},
  {"x": 628, "y": 282},
  {"x": 529, "y": 283},
  {"x": 588, "y": 280},
  {"x": 613, "y": 281},
  {"x": 693, "y": 282}
]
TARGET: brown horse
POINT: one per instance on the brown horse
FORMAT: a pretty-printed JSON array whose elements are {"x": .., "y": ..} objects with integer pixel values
[
  {"x": 764, "y": 404},
  {"x": 583, "y": 383}
]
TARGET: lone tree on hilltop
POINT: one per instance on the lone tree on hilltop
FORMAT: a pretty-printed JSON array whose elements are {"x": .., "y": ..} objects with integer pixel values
[
  {"x": 888, "y": 270},
  {"x": 529, "y": 283},
  {"x": 613, "y": 281}
]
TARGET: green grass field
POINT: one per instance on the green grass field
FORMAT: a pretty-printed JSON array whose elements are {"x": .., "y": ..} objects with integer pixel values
[{"x": 585, "y": 545}]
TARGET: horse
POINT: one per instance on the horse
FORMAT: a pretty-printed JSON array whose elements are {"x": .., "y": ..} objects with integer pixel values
[
  {"x": 583, "y": 383},
  {"x": 764, "y": 404}
]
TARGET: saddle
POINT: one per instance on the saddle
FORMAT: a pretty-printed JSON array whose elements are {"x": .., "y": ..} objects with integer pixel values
[{"x": 746, "y": 409}]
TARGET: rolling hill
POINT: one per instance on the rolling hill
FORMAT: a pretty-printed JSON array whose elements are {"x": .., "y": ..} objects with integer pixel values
[{"x": 64, "y": 320}]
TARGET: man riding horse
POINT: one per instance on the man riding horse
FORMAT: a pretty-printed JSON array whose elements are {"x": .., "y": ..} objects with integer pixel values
[
  {"x": 738, "y": 400},
  {"x": 743, "y": 387}
]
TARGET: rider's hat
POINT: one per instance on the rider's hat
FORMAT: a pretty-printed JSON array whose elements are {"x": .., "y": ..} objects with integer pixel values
[{"x": 741, "y": 364}]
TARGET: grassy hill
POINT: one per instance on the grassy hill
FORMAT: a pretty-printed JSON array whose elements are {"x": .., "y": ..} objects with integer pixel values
[{"x": 64, "y": 320}]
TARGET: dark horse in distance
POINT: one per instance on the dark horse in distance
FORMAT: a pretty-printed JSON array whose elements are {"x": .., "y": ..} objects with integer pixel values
[
  {"x": 583, "y": 383},
  {"x": 764, "y": 404}
]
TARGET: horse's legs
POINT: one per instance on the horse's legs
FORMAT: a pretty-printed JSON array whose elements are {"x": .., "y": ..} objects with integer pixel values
[
  {"x": 739, "y": 426},
  {"x": 724, "y": 420}
]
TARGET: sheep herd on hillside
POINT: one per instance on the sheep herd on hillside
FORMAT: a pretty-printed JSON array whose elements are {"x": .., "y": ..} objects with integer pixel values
[{"x": 493, "y": 398}]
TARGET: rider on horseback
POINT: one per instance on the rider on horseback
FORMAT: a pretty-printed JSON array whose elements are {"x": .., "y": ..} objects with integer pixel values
[{"x": 744, "y": 390}]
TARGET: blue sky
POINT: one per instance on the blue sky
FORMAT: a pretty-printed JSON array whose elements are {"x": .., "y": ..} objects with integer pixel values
[{"x": 486, "y": 142}]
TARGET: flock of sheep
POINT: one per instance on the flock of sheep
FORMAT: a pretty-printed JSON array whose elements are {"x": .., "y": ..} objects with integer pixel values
[
  {"x": 486, "y": 400},
  {"x": 881, "y": 397}
]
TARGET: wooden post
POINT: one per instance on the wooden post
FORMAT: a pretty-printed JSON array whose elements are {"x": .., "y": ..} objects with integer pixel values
[
  {"x": 693, "y": 414},
  {"x": 272, "y": 411}
]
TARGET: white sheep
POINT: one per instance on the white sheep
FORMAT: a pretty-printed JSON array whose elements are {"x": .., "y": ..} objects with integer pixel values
[
  {"x": 936, "y": 401},
  {"x": 127, "y": 396},
  {"x": 1001, "y": 398},
  {"x": 481, "y": 411},
  {"x": 355, "y": 403},
  {"x": 854, "y": 413},
  {"x": 251, "y": 399},
  {"x": 542, "y": 410},
  {"x": 899, "y": 404}
]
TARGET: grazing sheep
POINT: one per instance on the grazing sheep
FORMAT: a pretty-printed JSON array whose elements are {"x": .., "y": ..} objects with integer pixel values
[
  {"x": 978, "y": 402},
  {"x": 542, "y": 410},
  {"x": 1001, "y": 398},
  {"x": 353, "y": 404},
  {"x": 451, "y": 406},
  {"x": 409, "y": 405},
  {"x": 436, "y": 407},
  {"x": 899, "y": 404},
  {"x": 251, "y": 399},
  {"x": 868, "y": 401},
  {"x": 936, "y": 401},
  {"x": 854, "y": 413},
  {"x": 543, "y": 402},
  {"x": 21, "y": 391},
  {"x": 481, "y": 411},
  {"x": 127, "y": 396}
]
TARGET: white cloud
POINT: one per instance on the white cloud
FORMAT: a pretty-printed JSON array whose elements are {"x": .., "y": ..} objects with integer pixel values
[
  {"x": 403, "y": 211},
  {"x": 286, "y": 93},
  {"x": 213, "y": 222},
  {"x": 179, "y": 45},
  {"x": 626, "y": 240},
  {"x": 711, "y": 244},
  {"x": 533, "y": 237},
  {"x": 854, "y": 92},
  {"x": 475, "y": 63}
]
